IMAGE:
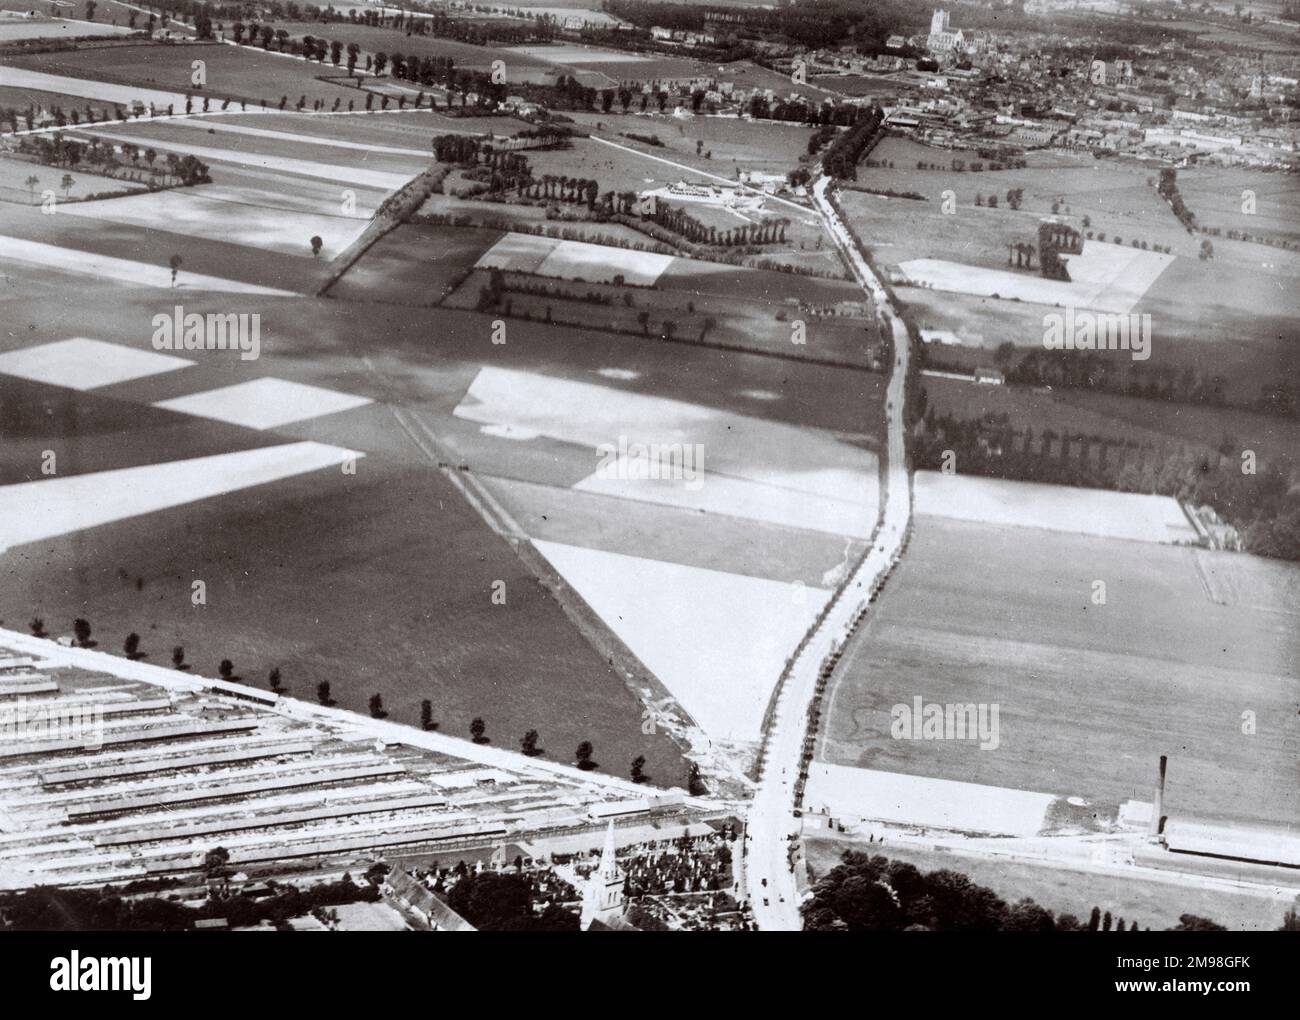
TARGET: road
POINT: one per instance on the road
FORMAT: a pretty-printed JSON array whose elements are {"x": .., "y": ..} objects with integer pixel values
[{"x": 773, "y": 830}]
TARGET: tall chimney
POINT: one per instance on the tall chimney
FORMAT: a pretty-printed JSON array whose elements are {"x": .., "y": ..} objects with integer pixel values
[{"x": 1157, "y": 809}]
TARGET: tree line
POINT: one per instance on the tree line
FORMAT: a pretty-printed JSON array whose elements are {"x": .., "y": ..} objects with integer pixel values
[
  {"x": 1258, "y": 505},
  {"x": 873, "y": 893}
]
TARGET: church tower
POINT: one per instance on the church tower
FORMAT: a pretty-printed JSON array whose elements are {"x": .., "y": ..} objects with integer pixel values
[
  {"x": 938, "y": 23},
  {"x": 602, "y": 900}
]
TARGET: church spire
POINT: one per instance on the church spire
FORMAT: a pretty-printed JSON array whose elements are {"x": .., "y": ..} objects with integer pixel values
[
  {"x": 602, "y": 899},
  {"x": 608, "y": 856}
]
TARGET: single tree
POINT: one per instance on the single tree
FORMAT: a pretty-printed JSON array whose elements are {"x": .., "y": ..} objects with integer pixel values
[
  {"x": 638, "y": 769},
  {"x": 81, "y": 628},
  {"x": 323, "y": 693},
  {"x": 226, "y": 670},
  {"x": 426, "y": 715},
  {"x": 529, "y": 743},
  {"x": 178, "y": 657},
  {"x": 377, "y": 707},
  {"x": 583, "y": 755},
  {"x": 131, "y": 645},
  {"x": 316, "y": 244},
  {"x": 477, "y": 729}
]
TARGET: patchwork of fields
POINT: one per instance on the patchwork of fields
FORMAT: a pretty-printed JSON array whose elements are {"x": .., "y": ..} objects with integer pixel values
[{"x": 354, "y": 406}]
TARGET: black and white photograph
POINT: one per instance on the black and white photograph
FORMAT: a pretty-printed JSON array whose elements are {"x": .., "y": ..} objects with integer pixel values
[{"x": 540, "y": 466}]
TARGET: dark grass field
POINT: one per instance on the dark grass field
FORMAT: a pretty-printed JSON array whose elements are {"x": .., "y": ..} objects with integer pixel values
[
  {"x": 377, "y": 583},
  {"x": 1089, "y": 695},
  {"x": 139, "y": 244},
  {"x": 232, "y": 72},
  {"x": 415, "y": 264}
]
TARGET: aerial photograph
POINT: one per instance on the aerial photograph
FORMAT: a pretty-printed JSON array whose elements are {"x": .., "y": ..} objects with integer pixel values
[{"x": 634, "y": 465}]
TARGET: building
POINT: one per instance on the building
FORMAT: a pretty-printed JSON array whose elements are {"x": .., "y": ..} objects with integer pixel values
[
  {"x": 942, "y": 39},
  {"x": 414, "y": 901},
  {"x": 602, "y": 899}
]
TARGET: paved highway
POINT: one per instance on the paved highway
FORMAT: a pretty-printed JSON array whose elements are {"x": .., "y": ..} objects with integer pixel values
[{"x": 773, "y": 828}]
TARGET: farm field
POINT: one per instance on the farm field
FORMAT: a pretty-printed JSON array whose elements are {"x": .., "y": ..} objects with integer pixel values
[
  {"x": 86, "y": 89},
  {"x": 574, "y": 260},
  {"x": 1118, "y": 197},
  {"x": 467, "y": 212},
  {"x": 76, "y": 243},
  {"x": 1089, "y": 694},
  {"x": 695, "y": 316},
  {"x": 239, "y": 73},
  {"x": 1274, "y": 439},
  {"x": 1216, "y": 195},
  {"x": 433, "y": 368},
  {"x": 520, "y": 66},
  {"x": 415, "y": 265},
  {"x": 15, "y": 172},
  {"x": 1236, "y": 311},
  {"x": 765, "y": 146},
  {"x": 13, "y": 31},
  {"x": 19, "y": 100}
]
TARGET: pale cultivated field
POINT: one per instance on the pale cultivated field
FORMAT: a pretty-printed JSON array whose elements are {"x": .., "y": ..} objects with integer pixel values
[
  {"x": 1105, "y": 277},
  {"x": 82, "y": 363},
  {"x": 1128, "y": 515},
  {"x": 51, "y": 508},
  {"x": 577, "y": 55},
  {"x": 573, "y": 260},
  {"x": 265, "y": 403},
  {"x": 13, "y": 30},
  {"x": 930, "y": 803},
  {"x": 83, "y": 88},
  {"x": 681, "y": 621}
]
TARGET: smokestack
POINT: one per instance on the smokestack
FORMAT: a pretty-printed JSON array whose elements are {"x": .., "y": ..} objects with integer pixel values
[{"x": 1157, "y": 809}]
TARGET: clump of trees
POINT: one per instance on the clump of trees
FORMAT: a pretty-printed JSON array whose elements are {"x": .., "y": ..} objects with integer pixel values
[
  {"x": 1168, "y": 188},
  {"x": 872, "y": 893},
  {"x": 847, "y": 151}
]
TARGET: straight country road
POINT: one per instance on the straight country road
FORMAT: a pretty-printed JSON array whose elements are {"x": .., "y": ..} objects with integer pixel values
[{"x": 773, "y": 831}]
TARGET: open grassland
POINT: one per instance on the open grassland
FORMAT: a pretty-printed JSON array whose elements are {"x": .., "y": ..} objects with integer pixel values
[{"x": 1089, "y": 694}]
